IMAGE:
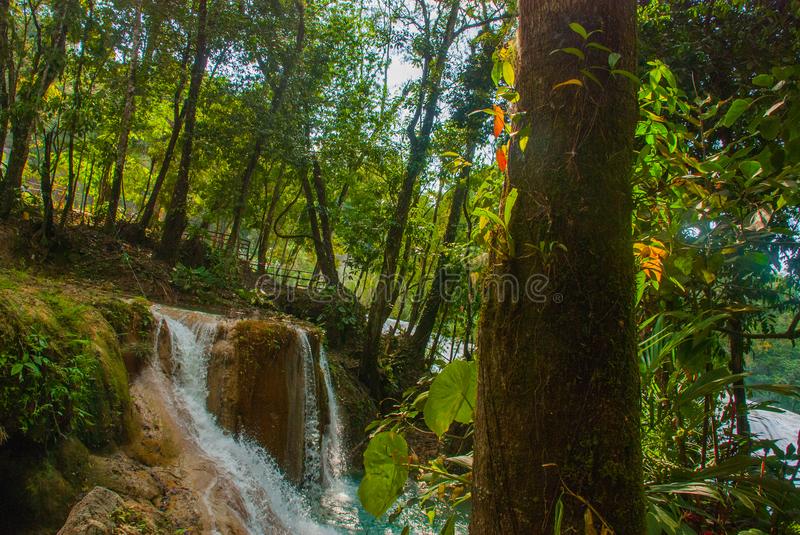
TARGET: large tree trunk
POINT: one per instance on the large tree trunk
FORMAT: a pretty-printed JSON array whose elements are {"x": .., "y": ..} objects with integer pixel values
[
  {"x": 386, "y": 288},
  {"x": 558, "y": 384},
  {"x": 125, "y": 123},
  {"x": 175, "y": 222}
]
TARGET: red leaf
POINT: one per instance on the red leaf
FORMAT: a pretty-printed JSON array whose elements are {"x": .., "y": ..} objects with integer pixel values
[
  {"x": 499, "y": 120},
  {"x": 502, "y": 159}
]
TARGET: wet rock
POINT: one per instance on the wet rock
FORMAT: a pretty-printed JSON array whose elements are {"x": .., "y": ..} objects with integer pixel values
[
  {"x": 93, "y": 515},
  {"x": 256, "y": 388}
]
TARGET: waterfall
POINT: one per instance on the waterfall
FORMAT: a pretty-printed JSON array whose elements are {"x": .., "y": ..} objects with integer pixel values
[
  {"x": 267, "y": 495},
  {"x": 326, "y": 500},
  {"x": 312, "y": 467},
  {"x": 333, "y": 456}
]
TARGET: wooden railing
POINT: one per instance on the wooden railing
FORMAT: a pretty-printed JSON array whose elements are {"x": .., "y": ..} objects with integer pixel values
[
  {"x": 219, "y": 239},
  {"x": 295, "y": 278}
]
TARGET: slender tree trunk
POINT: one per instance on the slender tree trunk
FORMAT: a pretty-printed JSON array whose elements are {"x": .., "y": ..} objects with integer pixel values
[
  {"x": 440, "y": 290},
  {"x": 45, "y": 173},
  {"x": 558, "y": 381},
  {"x": 73, "y": 120},
  {"x": 244, "y": 191},
  {"x": 178, "y": 115},
  {"x": 737, "y": 366},
  {"x": 267, "y": 227},
  {"x": 175, "y": 222},
  {"x": 327, "y": 269},
  {"x": 147, "y": 186},
  {"x": 102, "y": 187},
  {"x": 5, "y": 63},
  {"x": 385, "y": 291},
  {"x": 125, "y": 123},
  {"x": 87, "y": 186}
]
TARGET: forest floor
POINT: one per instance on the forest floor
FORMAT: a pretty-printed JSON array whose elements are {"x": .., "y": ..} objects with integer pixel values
[{"x": 84, "y": 256}]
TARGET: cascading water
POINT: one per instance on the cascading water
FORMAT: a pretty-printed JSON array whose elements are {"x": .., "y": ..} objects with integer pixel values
[
  {"x": 312, "y": 466},
  {"x": 264, "y": 490},
  {"x": 333, "y": 455},
  {"x": 326, "y": 501}
]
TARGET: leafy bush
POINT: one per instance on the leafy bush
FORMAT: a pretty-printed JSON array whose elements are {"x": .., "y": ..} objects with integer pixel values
[{"x": 43, "y": 394}]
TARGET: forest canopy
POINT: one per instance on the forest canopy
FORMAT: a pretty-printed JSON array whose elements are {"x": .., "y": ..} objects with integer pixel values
[{"x": 632, "y": 166}]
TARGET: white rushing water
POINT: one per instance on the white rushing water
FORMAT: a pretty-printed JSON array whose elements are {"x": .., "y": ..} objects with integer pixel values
[
  {"x": 782, "y": 427},
  {"x": 262, "y": 486},
  {"x": 312, "y": 464},
  {"x": 334, "y": 463}
]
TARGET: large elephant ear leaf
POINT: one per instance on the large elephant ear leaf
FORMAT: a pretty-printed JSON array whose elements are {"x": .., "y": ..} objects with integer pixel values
[
  {"x": 452, "y": 396},
  {"x": 386, "y": 472}
]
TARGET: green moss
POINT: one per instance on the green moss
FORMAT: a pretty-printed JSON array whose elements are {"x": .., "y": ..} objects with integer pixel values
[{"x": 44, "y": 470}]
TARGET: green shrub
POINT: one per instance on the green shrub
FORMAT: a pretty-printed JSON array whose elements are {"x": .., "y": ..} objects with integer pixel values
[{"x": 44, "y": 394}]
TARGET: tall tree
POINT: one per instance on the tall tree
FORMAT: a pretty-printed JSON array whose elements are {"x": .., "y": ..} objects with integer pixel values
[
  {"x": 126, "y": 119},
  {"x": 178, "y": 115},
  {"x": 175, "y": 222},
  {"x": 477, "y": 83},
  {"x": 419, "y": 130},
  {"x": 279, "y": 92},
  {"x": 317, "y": 208},
  {"x": 558, "y": 384},
  {"x": 46, "y": 65}
]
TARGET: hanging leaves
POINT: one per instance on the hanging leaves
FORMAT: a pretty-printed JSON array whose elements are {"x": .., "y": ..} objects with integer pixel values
[
  {"x": 502, "y": 158},
  {"x": 386, "y": 471},
  {"x": 452, "y": 396},
  {"x": 499, "y": 120}
]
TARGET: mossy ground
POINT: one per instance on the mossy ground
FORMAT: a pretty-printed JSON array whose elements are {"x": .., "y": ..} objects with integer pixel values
[{"x": 43, "y": 472}]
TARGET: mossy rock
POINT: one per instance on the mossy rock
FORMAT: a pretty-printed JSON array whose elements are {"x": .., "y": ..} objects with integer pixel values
[{"x": 44, "y": 471}]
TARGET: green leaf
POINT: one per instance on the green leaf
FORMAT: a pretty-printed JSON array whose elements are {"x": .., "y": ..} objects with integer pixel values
[
  {"x": 750, "y": 168},
  {"x": 579, "y": 29},
  {"x": 613, "y": 59},
  {"x": 591, "y": 77},
  {"x": 627, "y": 74},
  {"x": 763, "y": 80},
  {"x": 508, "y": 73},
  {"x": 574, "y": 52},
  {"x": 497, "y": 72},
  {"x": 523, "y": 136},
  {"x": 598, "y": 46},
  {"x": 452, "y": 396},
  {"x": 735, "y": 111},
  {"x": 558, "y": 516},
  {"x": 386, "y": 472},
  {"x": 683, "y": 264},
  {"x": 508, "y": 207},
  {"x": 449, "y": 526}
]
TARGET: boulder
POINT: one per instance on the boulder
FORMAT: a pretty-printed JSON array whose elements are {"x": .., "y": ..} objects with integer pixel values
[
  {"x": 93, "y": 515},
  {"x": 256, "y": 387}
]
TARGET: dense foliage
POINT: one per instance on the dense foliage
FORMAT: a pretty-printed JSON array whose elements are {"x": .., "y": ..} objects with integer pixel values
[{"x": 350, "y": 140}]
